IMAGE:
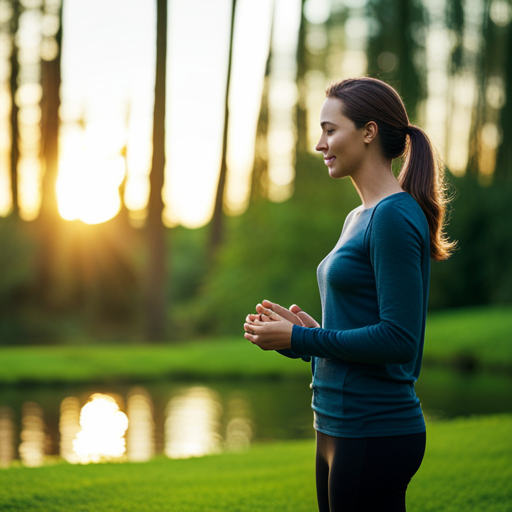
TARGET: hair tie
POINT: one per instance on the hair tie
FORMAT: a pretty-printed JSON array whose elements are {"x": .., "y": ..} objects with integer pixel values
[{"x": 408, "y": 129}]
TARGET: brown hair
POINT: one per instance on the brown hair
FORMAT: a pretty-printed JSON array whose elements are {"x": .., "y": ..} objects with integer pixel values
[{"x": 422, "y": 174}]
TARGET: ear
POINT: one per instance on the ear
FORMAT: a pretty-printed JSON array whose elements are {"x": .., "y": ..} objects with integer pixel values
[{"x": 370, "y": 131}]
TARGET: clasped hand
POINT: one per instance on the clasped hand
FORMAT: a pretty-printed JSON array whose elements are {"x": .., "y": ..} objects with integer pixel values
[{"x": 271, "y": 328}]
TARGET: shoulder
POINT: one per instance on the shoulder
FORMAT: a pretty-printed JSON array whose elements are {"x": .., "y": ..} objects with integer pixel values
[
  {"x": 399, "y": 219},
  {"x": 399, "y": 210}
]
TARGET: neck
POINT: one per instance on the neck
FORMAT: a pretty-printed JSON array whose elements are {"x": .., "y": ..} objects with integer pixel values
[{"x": 375, "y": 182}]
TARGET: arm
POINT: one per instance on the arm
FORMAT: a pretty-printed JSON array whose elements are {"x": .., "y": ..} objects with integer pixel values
[
  {"x": 395, "y": 251},
  {"x": 287, "y": 352}
]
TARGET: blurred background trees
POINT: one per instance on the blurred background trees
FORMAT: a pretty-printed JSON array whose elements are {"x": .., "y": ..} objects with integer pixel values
[{"x": 118, "y": 279}]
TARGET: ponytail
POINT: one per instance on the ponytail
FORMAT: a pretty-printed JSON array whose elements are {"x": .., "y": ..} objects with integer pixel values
[{"x": 422, "y": 175}]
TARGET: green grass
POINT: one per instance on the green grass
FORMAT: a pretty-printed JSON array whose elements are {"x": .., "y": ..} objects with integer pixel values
[
  {"x": 484, "y": 334},
  {"x": 233, "y": 357},
  {"x": 466, "y": 468}
]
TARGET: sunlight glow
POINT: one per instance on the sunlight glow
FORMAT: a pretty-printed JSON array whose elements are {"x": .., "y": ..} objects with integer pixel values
[
  {"x": 69, "y": 426},
  {"x": 88, "y": 188},
  {"x": 252, "y": 38},
  {"x": 192, "y": 424},
  {"x": 7, "y": 429},
  {"x": 103, "y": 427},
  {"x": 32, "y": 435},
  {"x": 141, "y": 433},
  {"x": 283, "y": 93},
  {"x": 240, "y": 428},
  {"x": 91, "y": 171}
]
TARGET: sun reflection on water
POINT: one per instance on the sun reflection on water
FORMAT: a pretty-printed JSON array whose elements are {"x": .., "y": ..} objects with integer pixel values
[
  {"x": 239, "y": 430},
  {"x": 6, "y": 436},
  {"x": 192, "y": 425},
  {"x": 141, "y": 432},
  {"x": 102, "y": 429},
  {"x": 33, "y": 437},
  {"x": 69, "y": 426}
]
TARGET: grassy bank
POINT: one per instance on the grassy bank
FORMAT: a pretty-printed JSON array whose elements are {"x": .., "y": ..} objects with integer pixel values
[
  {"x": 482, "y": 335},
  {"x": 466, "y": 467}
]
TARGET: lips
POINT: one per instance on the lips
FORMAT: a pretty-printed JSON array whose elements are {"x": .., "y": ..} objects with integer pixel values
[{"x": 329, "y": 160}]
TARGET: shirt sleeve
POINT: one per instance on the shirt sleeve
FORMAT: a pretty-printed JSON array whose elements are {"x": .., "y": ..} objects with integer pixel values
[
  {"x": 395, "y": 250},
  {"x": 287, "y": 352}
]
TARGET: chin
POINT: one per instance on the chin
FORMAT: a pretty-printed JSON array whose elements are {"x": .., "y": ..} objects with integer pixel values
[{"x": 336, "y": 174}]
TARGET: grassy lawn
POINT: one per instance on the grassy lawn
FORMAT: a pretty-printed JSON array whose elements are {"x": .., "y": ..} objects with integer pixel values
[
  {"x": 483, "y": 333},
  {"x": 466, "y": 468}
]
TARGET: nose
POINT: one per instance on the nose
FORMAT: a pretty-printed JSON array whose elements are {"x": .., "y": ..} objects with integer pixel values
[{"x": 322, "y": 145}]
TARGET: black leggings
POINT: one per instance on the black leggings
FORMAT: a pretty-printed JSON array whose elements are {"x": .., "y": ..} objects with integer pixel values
[{"x": 366, "y": 475}]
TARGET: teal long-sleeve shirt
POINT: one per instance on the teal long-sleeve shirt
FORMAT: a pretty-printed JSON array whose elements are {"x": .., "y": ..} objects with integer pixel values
[{"x": 367, "y": 355}]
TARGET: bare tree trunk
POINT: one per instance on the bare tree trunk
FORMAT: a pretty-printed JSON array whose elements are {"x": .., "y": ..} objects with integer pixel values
[
  {"x": 217, "y": 228},
  {"x": 259, "y": 176},
  {"x": 49, "y": 220},
  {"x": 156, "y": 271},
  {"x": 503, "y": 172},
  {"x": 479, "y": 113},
  {"x": 301, "y": 107},
  {"x": 14, "y": 109}
]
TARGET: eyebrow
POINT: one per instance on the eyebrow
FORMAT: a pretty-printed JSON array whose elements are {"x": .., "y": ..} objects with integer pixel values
[{"x": 323, "y": 123}]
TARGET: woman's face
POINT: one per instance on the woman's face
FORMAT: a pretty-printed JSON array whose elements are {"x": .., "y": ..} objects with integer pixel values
[{"x": 342, "y": 145}]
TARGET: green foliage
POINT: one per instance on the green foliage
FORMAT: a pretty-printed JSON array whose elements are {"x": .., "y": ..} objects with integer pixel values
[
  {"x": 480, "y": 272},
  {"x": 16, "y": 278},
  {"x": 466, "y": 467},
  {"x": 480, "y": 334}
]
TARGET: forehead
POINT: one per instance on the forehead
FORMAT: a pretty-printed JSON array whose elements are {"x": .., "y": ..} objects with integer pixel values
[{"x": 331, "y": 111}]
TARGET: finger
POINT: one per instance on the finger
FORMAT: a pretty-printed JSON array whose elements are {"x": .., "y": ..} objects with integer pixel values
[
  {"x": 268, "y": 312},
  {"x": 248, "y": 327},
  {"x": 251, "y": 318},
  {"x": 283, "y": 312},
  {"x": 253, "y": 328},
  {"x": 306, "y": 319},
  {"x": 264, "y": 318},
  {"x": 251, "y": 337}
]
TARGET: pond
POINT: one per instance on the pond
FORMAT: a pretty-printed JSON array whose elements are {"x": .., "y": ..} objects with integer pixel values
[{"x": 87, "y": 423}]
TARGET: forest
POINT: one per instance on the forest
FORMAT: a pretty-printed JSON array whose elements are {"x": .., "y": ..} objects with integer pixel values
[{"x": 138, "y": 277}]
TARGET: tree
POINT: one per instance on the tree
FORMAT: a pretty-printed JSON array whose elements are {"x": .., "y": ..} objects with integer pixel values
[
  {"x": 13, "y": 83},
  {"x": 503, "y": 171},
  {"x": 217, "y": 224},
  {"x": 49, "y": 220},
  {"x": 155, "y": 300},
  {"x": 259, "y": 175},
  {"x": 301, "y": 146},
  {"x": 393, "y": 50}
]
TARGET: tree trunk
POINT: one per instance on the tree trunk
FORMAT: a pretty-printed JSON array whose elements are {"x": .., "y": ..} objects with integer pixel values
[
  {"x": 217, "y": 229},
  {"x": 479, "y": 112},
  {"x": 301, "y": 107},
  {"x": 259, "y": 175},
  {"x": 156, "y": 270},
  {"x": 503, "y": 172},
  {"x": 49, "y": 219},
  {"x": 13, "y": 83}
]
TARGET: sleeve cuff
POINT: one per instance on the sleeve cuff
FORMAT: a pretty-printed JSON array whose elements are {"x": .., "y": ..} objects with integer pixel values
[{"x": 297, "y": 342}]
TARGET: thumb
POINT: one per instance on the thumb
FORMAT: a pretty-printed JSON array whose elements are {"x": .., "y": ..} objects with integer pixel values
[{"x": 307, "y": 320}]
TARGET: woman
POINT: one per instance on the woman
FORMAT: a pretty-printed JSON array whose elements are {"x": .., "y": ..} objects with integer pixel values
[{"x": 374, "y": 286}]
